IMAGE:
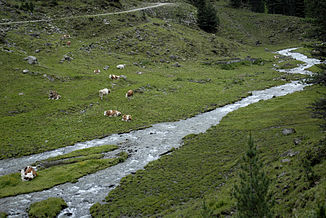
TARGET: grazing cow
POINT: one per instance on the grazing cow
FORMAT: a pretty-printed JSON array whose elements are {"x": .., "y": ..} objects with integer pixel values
[
  {"x": 121, "y": 66},
  {"x": 68, "y": 43},
  {"x": 112, "y": 76},
  {"x": 112, "y": 113},
  {"x": 97, "y": 71},
  {"x": 65, "y": 36},
  {"x": 129, "y": 94},
  {"x": 103, "y": 92},
  {"x": 53, "y": 95},
  {"x": 126, "y": 118},
  {"x": 28, "y": 173}
]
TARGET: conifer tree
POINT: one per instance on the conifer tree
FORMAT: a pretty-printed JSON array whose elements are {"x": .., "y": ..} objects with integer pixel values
[
  {"x": 299, "y": 8},
  {"x": 251, "y": 193},
  {"x": 235, "y": 3},
  {"x": 317, "y": 10},
  {"x": 207, "y": 16},
  {"x": 276, "y": 6},
  {"x": 257, "y": 6}
]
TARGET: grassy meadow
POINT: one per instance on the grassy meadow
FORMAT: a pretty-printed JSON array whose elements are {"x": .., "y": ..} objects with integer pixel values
[
  {"x": 39, "y": 124},
  {"x": 176, "y": 71},
  {"x": 205, "y": 167}
]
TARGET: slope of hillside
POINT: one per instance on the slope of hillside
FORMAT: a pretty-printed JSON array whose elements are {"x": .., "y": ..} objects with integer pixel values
[
  {"x": 154, "y": 46},
  {"x": 250, "y": 28}
]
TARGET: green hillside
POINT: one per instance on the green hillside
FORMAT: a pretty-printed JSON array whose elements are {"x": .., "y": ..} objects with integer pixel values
[
  {"x": 154, "y": 42},
  {"x": 176, "y": 71}
]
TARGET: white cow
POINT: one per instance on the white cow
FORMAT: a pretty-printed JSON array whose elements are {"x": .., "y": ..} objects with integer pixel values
[
  {"x": 121, "y": 66},
  {"x": 103, "y": 92}
]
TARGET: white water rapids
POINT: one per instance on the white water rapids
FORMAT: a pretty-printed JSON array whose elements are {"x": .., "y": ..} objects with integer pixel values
[{"x": 144, "y": 146}]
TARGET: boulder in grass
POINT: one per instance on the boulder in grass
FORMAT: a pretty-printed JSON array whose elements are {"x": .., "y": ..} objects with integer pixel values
[
  {"x": 31, "y": 60},
  {"x": 288, "y": 131}
]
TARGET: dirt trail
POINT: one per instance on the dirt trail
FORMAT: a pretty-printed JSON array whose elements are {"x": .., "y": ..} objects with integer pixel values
[{"x": 155, "y": 5}]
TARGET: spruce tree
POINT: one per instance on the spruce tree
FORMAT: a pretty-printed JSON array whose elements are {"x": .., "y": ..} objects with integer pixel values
[
  {"x": 257, "y": 6},
  {"x": 207, "y": 16},
  {"x": 235, "y": 3},
  {"x": 299, "y": 8},
  {"x": 317, "y": 10},
  {"x": 251, "y": 193}
]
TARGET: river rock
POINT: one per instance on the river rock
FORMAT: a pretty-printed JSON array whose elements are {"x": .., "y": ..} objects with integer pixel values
[
  {"x": 288, "y": 131},
  {"x": 31, "y": 59}
]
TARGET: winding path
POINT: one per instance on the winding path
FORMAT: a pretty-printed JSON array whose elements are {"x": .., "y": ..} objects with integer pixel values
[
  {"x": 144, "y": 146},
  {"x": 155, "y": 5}
]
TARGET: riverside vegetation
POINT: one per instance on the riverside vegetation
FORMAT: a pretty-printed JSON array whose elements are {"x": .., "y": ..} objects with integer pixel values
[{"x": 184, "y": 71}]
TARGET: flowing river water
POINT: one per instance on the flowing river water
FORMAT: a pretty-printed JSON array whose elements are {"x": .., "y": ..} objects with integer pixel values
[{"x": 143, "y": 146}]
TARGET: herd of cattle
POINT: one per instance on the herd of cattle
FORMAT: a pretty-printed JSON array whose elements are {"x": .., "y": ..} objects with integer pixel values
[
  {"x": 29, "y": 172},
  {"x": 53, "y": 95}
]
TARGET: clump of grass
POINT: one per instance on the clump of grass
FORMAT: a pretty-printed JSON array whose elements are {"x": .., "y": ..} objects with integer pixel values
[
  {"x": 50, "y": 207},
  {"x": 61, "y": 169}
]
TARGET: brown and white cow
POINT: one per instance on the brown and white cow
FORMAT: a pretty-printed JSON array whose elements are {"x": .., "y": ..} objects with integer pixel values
[
  {"x": 65, "y": 36},
  {"x": 97, "y": 71},
  {"x": 126, "y": 118},
  {"x": 53, "y": 95},
  {"x": 129, "y": 94},
  {"x": 112, "y": 113},
  {"x": 28, "y": 173},
  {"x": 113, "y": 77}
]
